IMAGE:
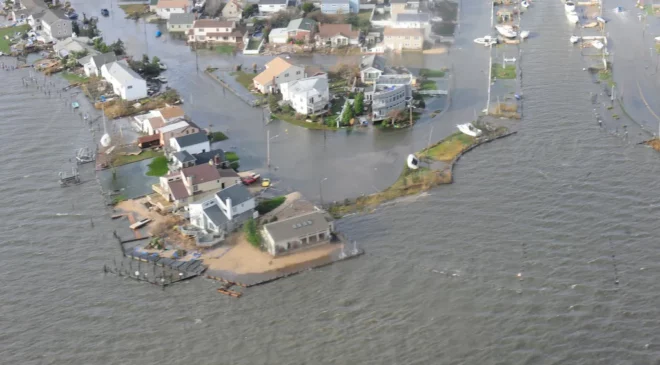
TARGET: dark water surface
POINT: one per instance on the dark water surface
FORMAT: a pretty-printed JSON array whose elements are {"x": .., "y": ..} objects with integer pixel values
[{"x": 571, "y": 208}]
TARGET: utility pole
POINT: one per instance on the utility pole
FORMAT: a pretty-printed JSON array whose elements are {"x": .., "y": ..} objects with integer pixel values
[
  {"x": 321, "y": 189},
  {"x": 268, "y": 148}
]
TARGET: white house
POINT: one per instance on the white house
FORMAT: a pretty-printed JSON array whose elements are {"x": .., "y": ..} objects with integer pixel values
[
  {"x": 165, "y": 8},
  {"x": 307, "y": 96},
  {"x": 125, "y": 82},
  {"x": 272, "y": 6},
  {"x": 225, "y": 211},
  {"x": 183, "y": 186},
  {"x": 94, "y": 63},
  {"x": 278, "y": 36},
  {"x": 191, "y": 143},
  {"x": 277, "y": 72},
  {"x": 371, "y": 67},
  {"x": 414, "y": 20},
  {"x": 388, "y": 93},
  {"x": 176, "y": 129},
  {"x": 56, "y": 25},
  {"x": 233, "y": 10},
  {"x": 150, "y": 123},
  {"x": 214, "y": 31},
  {"x": 180, "y": 22},
  {"x": 297, "y": 232}
]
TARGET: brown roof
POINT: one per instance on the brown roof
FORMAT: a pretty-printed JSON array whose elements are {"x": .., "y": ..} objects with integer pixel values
[
  {"x": 273, "y": 68},
  {"x": 400, "y": 32},
  {"x": 313, "y": 70},
  {"x": 171, "y": 112},
  {"x": 156, "y": 122},
  {"x": 178, "y": 189},
  {"x": 212, "y": 23},
  {"x": 201, "y": 173},
  {"x": 172, "y": 4},
  {"x": 227, "y": 172},
  {"x": 151, "y": 138},
  {"x": 331, "y": 30}
]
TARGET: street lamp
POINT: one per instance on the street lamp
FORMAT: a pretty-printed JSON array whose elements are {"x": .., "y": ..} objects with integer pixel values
[
  {"x": 321, "y": 189},
  {"x": 268, "y": 138}
]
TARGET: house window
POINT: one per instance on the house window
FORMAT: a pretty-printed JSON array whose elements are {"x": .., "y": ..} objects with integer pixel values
[
  {"x": 297, "y": 72},
  {"x": 286, "y": 74},
  {"x": 195, "y": 188},
  {"x": 129, "y": 86}
]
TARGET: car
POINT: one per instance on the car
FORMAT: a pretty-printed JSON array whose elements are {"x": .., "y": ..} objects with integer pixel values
[
  {"x": 265, "y": 182},
  {"x": 105, "y": 12},
  {"x": 251, "y": 179}
]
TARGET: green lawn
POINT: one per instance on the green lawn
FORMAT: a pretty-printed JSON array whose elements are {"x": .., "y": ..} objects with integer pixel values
[
  {"x": 158, "y": 167},
  {"x": 301, "y": 123},
  {"x": 507, "y": 72},
  {"x": 74, "y": 78},
  {"x": 448, "y": 148},
  {"x": 253, "y": 43},
  {"x": 268, "y": 205},
  {"x": 428, "y": 85},
  {"x": 232, "y": 157},
  {"x": 225, "y": 49},
  {"x": 657, "y": 48},
  {"x": 425, "y": 72},
  {"x": 244, "y": 78},
  {"x": 145, "y": 154},
  {"x": 364, "y": 14},
  {"x": 9, "y": 31},
  {"x": 606, "y": 76},
  {"x": 218, "y": 136}
]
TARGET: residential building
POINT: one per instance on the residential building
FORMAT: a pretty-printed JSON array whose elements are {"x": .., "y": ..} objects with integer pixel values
[
  {"x": 179, "y": 187},
  {"x": 20, "y": 14},
  {"x": 389, "y": 92},
  {"x": 340, "y": 6},
  {"x": 301, "y": 29},
  {"x": 307, "y": 96},
  {"x": 165, "y": 8},
  {"x": 233, "y": 10},
  {"x": 337, "y": 35},
  {"x": 93, "y": 66},
  {"x": 298, "y": 232},
  {"x": 125, "y": 82},
  {"x": 414, "y": 20},
  {"x": 272, "y": 6},
  {"x": 152, "y": 5},
  {"x": 371, "y": 67},
  {"x": 148, "y": 141},
  {"x": 279, "y": 36},
  {"x": 225, "y": 211},
  {"x": 214, "y": 31},
  {"x": 170, "y": 113},
  {"x": 398, "y": 39},
  {"x": 183, "y": 159},
  {"x": 176, "y": 129},
  {"x": 191, "y": 143},
  {"x": 180, "y": 22},
  {"x": 56, "y": 25},
  {"x": 398, "y": 7},
  {"x": 277, "y": 72},
  {"x": 150, "y": 123},
  {"x": 79, "y": 44}
]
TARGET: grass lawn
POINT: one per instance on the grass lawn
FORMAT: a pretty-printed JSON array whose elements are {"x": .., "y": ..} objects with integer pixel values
[
  {"x": 158, "y": 167},
  {"x": 508, "y": 72},
  {"x": 232, "y": 157},
  {"x": 657, "y": 48},
  {"x": 448, "y": 148},
  {"x": 74, "y": 78},
  {"x": 225, "y": 49},
  {"x": 218, "y": 136},
  {"x": 428, "y": 85},
  {"x": 126, "y": 159},
  {"x": 253, "y": 43},
  {"x": 118, "y": 199},
  {"x": 606, "y": 76},
  {"x": 301, "y": 123},
  {"x": 244, "y": 78},
  {"x": 425, "y": 72},
  {"x": 268, "y": 205},
  {"x": 134, "y": 8},
  {"x": 364, "y": 14},
  {"x": 9, "y": 31}
]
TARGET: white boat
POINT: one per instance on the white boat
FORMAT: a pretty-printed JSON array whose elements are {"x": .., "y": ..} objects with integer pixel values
[
  {"x": 469, "y": 129},
  {"x": 574, "y": 39},
  {"x": 600, "y": 19},
  {"x": 486, "y": 41},
  {"x": 506, "y": 31},
  {"x": 524, "y": 4},
  {"x": 162, "y": 79},
  {"x": 106, "y": 140},
  {"x": 597, "y": 44},
  {"x": 569, "y": 7},
  {"x": 657, "y": 39},
  {"x": 436, "y": 19},
  {"x": 573, "y": 17},
  {"x": 162, "y": 66},
  {"x": 413, "y": 162},
  {"x": 139, "y": 224},
  {"x": 524, "y": 34}
]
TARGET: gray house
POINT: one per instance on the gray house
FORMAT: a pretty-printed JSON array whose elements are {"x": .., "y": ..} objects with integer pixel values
[
  {"x": 180, "y": 22},
  {"x": 298, "y": 232},
  {"x": 56, "y": 25},
  {"x": 371, "y": 67}
]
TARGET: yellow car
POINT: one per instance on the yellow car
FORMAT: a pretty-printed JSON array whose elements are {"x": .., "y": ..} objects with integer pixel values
[{"x": 265, "y": 182}]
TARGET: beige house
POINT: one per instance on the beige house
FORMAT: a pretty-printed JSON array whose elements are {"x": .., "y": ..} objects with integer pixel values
[
  {"x": 398, "y": 39},
  {"x": 337, "y": 35},
  {"x": 214, "y": 31},
  {"x": 233, "y": 10},
  {"x": 398, "y": 7},
  {"x": 298, "y": 232},
  {"x": 181, "y": 187},
  {"x": 180, "y": 22},
  {"x": 176, "y": 129},
  {"x": 277, "y": 72}
]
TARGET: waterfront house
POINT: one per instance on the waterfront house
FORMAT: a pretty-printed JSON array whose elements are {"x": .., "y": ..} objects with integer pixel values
[
  {"x": 337, "y": 35},
  {"x": 183, "y": 159},
  {"x": 233, "y": 10},
  {"x": 176, "y": 129},
  {"x": 165, "y": 8},
  {"x": 181, "y": 186},
  {"x": 149, "y": 141},
  {"x": 92, "y": 66},
  {"x": 191, "y": 143},
  {"x": 414, "y": 20},
  {"x": 272, "y": 6},
  {"x": 278, "y": 36},
  {"x": 388, "y": 93},
  {"x": 55, "y": 25},
  {"x": 214, "y": 31},
  {"x": 303, "y": 231},
  {"x": 340, "y": 6},
  {"x": 371, "y": 67},
  {"x": 79, "y": 44},
  {"x": 277, "y": 72},
  {"x": 398, "y": 39},
  {"x": 150, "y": 123},
  {"x": 125, "y": 82},
  {"x": 301, "y": 29},
  {"x": 20, "y": 14},
  {"x": 225, "y": 211},
  {"x": 307, "y": 96},
  {"x": 180, "y": 22}
]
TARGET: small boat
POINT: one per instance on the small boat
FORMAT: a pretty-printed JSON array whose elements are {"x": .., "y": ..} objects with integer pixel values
[
  {"x": 569, "y": 7},
  {"x": 618, "y": 9},
  {"x": 106, "y": 140},
  {"x": 436, "y": 19},
  {"x": 506, "y": 31},
  {"x": 469, "y": 129},
  {"x": 574, "y": 39},
  {"x": 524, "y": 4},
  {"x": 573, "y": 17},
  {"x": 524, "y": 34},
  {"x": 162, "y": 66},
  {"x": 75, "y": 105},
  {"x": 162, "y": 79},
  {"x": 158, "y": 34},
  {"x": 413, "y": 162},
  {"x": 486, "y": 41},
  {"x": 105, "y": 12},
  {"x": 597, "y": 44},
  {"x": 117, "y": 216},
  {"x": 600, "y": 19},
  {"x": 141, "y": 223},
  {"x": 657, "y": 39}
]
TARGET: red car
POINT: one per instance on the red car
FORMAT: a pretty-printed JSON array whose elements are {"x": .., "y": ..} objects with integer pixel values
[{"x": 249, "y": 180}]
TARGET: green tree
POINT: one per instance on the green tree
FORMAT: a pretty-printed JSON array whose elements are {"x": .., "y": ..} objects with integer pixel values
[
  {"x": 252, "y": 234},
  {"x": 250, "y": 10},
  {"x": 75, "y": 28},
  {"x": 118, "y": 47},
  {"x": 353, "y": 19},
  {"x": 272, "y": 102},
  {"x": 308, "y": 7},
  {"x": 145, "y": 59},
  {"x": 100, "y": 46},
  {"x": 364, "y": 25},
  {"x": 358, "y": 104},
  {"x": 155, "y": 60},
  {"x": 347, "y": 115}
]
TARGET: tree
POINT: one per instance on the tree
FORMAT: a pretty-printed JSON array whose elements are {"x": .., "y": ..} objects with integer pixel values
[
  {"x": 250, "y": 10},
  {"x": 352, "y": 19},
  {"x": 358, "y": 104},
  {"x": 156, "y": 60},
  {"x": 251, "y": 233},
  {"x": 308, "y": 8},
  {"x": 319, "y": 17},
  {"x": 364, "y": 25},
  {"x": 396, "y": 116},
  {"x": 118, "y": 47},
  {"x": 145, "y": 58},
  {"x": 75, "y": 28},
  {"x": 100, "y": 46},
  {"x": 272, "y": 102},
  {"x": 347, "y": 115}
]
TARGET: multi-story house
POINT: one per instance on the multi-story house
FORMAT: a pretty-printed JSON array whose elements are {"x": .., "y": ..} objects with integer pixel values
[
  {"x": 398, "y": 39},
  {"x": 389, "y": 92},
  {"x": 214, "y": 31},
  {"x": 307, "y": 96}
]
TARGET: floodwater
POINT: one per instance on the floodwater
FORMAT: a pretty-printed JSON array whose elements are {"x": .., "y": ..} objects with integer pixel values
[{"x": 563, "y": 205}]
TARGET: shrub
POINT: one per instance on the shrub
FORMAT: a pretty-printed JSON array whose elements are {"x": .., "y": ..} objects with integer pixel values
[
  {"x": 268, "y": 205},
  {"x": 252, "y": 234}
]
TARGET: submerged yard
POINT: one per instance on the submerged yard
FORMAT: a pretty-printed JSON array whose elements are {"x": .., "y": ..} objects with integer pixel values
[
  {"x": 10, "y": 32},
  {"x": 506, "y": 72},
  {"x": 244, "y": 78}
]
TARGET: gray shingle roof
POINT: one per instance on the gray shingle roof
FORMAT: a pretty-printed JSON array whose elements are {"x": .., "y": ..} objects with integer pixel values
[
  {"x": 302, "y": 225},
  {"x": 302, "y": 24},
  {"x": 51, "y": 17},
  {"x": 192, "y": 139},
  {"x": 183, "y": 156},
  {"x": 205, "y": 157},
  {"x": 102, "y": 59},
  {"x": 181, "y": 18},
  {"x": 273, "y": 2},
  {"x": 216, "y": 215},
  {"x": 237, "y": 193},
  {"x": 413, "y": 17},
  {"x": 374, "y": 61}
]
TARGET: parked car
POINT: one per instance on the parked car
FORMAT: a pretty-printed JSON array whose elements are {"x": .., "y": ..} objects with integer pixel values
[
  {"x": 251, "y": 179},
  {"x": 265, "y": 182},
  {"x": 105, "y": 12}
]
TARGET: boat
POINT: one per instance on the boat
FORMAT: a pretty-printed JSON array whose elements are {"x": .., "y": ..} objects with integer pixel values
[
  {"x": 506, "y": 31},
  {"x": 436, "y": 19},
  {"x": 657, "y": 39},
  {"x": 600, "y": 19},
  {"x": 158, "y": 33},
  {"x": 486, "y": 41},
  {"x": 524, "y": 4},
  {"x": 574, "y": 39},
  {"x": 141, "y": 223},
  {"x": 106, "y": 140},
  {"x": 597, "y": 44},
  {"x": 572, "y": 17},
  {"x": 162, "y": 79},
  {"x": 524, "y": 34},
  {"x": 569, "y": 7},
  {"x": 469, "y": 129},
  {"x": 413, "y": 162},
  {"x": 162, "y": 66},
  {"x": 75, "y": 105}
]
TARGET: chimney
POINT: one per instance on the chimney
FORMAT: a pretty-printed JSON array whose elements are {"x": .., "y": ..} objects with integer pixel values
[
  {"x": 230, "y": 214},
  {"x": 217, "y": 161},
  {"x": 189, "y": 183}
]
